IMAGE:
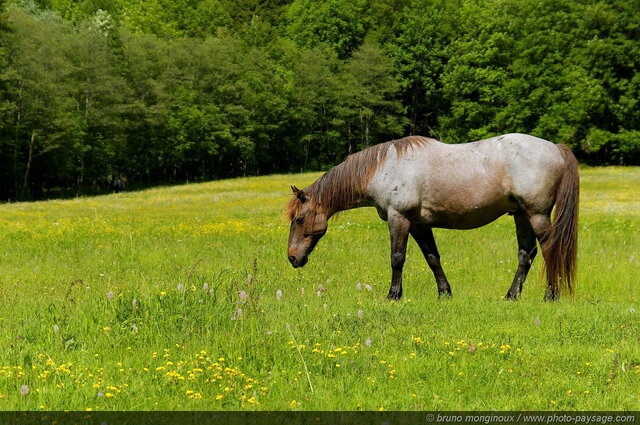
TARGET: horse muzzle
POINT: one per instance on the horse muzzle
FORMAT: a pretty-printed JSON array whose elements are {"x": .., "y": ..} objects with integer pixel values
[{"x": 295, "y": 262}]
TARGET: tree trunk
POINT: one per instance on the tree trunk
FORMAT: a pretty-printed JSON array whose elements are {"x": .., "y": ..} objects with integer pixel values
[
  {"x": 25, "y": 182},
  {"x": 16, "y": 139}
]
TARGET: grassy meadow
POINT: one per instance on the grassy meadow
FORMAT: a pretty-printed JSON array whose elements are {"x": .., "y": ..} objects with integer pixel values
[{"x": 182, "y": 298}]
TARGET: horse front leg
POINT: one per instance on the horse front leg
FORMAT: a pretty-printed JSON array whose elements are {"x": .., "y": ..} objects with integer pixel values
[
  {"x": 399, "y": 232},
  {"x": 424, "y": 237}
]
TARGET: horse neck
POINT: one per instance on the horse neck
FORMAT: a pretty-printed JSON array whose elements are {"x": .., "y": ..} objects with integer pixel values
[{"x": 336, "y": 191}]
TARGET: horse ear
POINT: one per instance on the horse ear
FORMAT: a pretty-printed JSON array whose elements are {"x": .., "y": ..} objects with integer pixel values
[{"x": 299, "y": 193}]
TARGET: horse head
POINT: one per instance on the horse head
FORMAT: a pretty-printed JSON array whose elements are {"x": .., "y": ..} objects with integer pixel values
[{"x": 308, "y": 225}]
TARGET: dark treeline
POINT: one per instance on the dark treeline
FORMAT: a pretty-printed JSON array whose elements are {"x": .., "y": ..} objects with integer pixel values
[{"x": 162, "y": 91}]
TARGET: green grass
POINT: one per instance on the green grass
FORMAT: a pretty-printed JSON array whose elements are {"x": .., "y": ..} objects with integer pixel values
[{"x": 178, "y": 347}]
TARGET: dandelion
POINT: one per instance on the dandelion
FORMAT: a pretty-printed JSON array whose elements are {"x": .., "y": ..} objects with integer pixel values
[
  {"x": 293, "y": 404},
  {"x": 367, "y": 342},
  {"x": 205, "y": 287},
  {"x": 368, "y": 287},
  {"x": 163, "y": 293},
  {"x": 359, "y": 286},
  {"x": 56, "y": 328},
  {"x": 180, "y": 287},
  {"x": 537, "y": 321},
  {"x": 360, "y": 314},
  {"x": 110, "y": 295},
  {"x": 278, "y": 294},
  {"x": 219, "y": 397},
  {"x": 243, "y": 295},
  {"x": 24, "y": 390},
  {"x": 134, "y": 303}
]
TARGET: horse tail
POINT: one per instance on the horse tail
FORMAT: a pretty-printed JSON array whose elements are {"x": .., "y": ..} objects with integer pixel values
[{"x": 560, "y": 242}]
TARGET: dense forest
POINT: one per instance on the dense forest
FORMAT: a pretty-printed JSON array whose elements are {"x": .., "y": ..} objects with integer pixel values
[{"x": 168, "y": 91}]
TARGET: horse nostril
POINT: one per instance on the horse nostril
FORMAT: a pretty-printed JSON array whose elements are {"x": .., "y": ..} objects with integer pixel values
[{"x": 292, "y": 259}]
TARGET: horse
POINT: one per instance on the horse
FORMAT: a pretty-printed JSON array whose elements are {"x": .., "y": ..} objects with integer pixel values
[{"x": 418, "y": 183}]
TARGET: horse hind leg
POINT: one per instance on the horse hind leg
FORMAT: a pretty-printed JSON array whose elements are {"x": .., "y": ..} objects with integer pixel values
[
  {"x": 423, "y": 235},
  {"x": 541, "y": 223},
  {"x": 527, "y": 251}
]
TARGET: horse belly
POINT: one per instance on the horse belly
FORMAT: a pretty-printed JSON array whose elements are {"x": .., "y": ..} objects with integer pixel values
[{"x": 467, "y": 215}]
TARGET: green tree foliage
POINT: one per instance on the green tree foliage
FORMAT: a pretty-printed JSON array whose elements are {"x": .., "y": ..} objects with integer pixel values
[
  {"x": 340, "y": 24},
  {"x": 170, "y": 91}
]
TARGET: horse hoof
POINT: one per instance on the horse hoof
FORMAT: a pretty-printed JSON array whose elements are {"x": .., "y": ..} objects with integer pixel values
[
  {"x": 393, "y": 296},
  {"x": 511, "y": 297},
  {"x": 445, "y": 294}
]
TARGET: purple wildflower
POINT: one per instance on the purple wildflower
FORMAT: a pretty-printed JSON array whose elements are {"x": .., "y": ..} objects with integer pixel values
[
  {"x": 279, "y": 294},
  {"x": 236, "y": 314},
  {"x": 24, "y": 390},
  {"x": 537, "y": 321},
  {"x": 110, "y": 295},
  {"x": 243, "y": 295},
  {"x": 56, "y": 328},
  {"x": 360, "y": 314},
  {"x": 359, "y": 286},
  {"x": 368, "y": 287},
  {"x": 368, "y": 342},
  {"x": 205, "y": 287},
  {"x": 180, "y": 287},
  {"x": 134, "y": 303},
  {"x": 472, "y": 348}
]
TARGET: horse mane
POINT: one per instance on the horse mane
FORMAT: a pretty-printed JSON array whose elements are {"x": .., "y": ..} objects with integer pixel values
[{"x": 343, "y": 185}]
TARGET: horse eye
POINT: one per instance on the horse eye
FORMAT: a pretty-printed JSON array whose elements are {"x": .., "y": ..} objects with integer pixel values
[{"x": 300, "y": 220}]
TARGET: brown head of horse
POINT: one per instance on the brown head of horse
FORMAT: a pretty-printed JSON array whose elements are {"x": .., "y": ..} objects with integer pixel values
[
  {"x": 308, "y": 225},
  {"x": 417, "y": 184}
]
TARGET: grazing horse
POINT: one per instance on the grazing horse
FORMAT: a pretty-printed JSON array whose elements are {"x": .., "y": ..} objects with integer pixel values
[{"x": 417, "y": 183}]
